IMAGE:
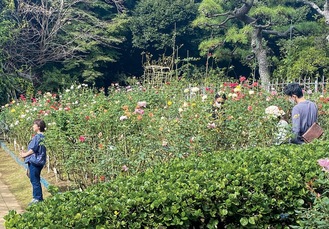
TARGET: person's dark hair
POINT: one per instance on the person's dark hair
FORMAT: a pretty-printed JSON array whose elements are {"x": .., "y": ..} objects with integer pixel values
[
  {"x": 220, "y": 95},
  {"x": 293, "y": 89},
  {"x": 41, "y": 124}
]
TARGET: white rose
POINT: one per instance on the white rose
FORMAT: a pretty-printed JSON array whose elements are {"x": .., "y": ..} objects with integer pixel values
[
  {"x": 123, "y": 118},
  {"x": 195, "y": 89}
]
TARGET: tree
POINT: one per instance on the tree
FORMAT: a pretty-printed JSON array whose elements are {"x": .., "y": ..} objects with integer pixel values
[
  {"x": 160, "y": 26},
  {"x": 67, "y": 33},
  {"x": 305, "y": 57},
  {"x": 323, "y": 12},
  {"x": 245, "y": 22},
  {"x": 7, "y": 32}
]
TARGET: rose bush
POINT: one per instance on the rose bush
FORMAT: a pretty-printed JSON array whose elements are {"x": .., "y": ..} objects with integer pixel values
[{"x": 93, "y": 136}]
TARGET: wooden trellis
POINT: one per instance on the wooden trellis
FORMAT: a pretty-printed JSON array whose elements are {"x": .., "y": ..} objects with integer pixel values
[{"x": 156, "y": 75}]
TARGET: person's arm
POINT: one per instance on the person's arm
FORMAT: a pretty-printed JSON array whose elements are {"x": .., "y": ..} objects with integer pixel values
[
  {"x": 31, "y": 148},
  {"x": 27, "y": 153}
]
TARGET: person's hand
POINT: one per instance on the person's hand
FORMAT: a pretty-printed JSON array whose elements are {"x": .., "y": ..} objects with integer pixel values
[{"x": 22, "y": 153}]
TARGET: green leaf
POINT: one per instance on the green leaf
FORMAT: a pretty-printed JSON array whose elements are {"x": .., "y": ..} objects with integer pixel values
[
  {"x": 244, "y": 221},
  {"x": 223, "y": 212},
  {"x": 252, "y": 220}
]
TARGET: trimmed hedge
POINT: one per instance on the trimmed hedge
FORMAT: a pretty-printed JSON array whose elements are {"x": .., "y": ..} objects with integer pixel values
[
  {"x": 255, "y": 188},
  {"x": 316, "y": 215}
]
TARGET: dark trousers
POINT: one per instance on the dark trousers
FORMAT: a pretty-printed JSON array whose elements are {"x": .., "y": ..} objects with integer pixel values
[{"x": 35, "y": 172}]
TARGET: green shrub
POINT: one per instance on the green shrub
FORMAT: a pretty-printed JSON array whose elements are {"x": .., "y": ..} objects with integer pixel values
[
  {"x": 316, "y": 215},
  {"x": 254, "y": 188}
]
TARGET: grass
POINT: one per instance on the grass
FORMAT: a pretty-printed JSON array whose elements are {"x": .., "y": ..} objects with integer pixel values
[{"x": 14, "y": 176}]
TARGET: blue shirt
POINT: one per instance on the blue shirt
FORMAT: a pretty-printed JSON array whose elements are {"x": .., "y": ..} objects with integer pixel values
[
  {"x": 304, "y": 114},
  {"x": 36, "y": 147}
]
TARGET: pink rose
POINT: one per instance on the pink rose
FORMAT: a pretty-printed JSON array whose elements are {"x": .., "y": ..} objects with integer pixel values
[
  {"x": 242, "y": 78},
  {"x": 125, "y": 168},
  {"x": 82, "y": 138},
  {"x": 324, "y": 163},
  {"x": 139, "y": 111}
]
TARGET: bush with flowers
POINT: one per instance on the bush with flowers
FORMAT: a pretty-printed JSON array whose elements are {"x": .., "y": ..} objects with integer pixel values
[
  {"x": 192, "y": 170},
  {"x": 92, "y": 137}
]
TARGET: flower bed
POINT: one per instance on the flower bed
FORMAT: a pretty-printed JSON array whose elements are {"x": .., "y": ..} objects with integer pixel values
[{"x": 93, "y": 137}]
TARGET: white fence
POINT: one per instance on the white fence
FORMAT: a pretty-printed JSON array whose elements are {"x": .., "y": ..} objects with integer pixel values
[{"x": 309, "y": 86}]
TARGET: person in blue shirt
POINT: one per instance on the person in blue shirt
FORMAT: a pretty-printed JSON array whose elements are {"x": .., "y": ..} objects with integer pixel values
[
  {"x": 35, "y": 157},
  {"x": 304, "y": 112}
]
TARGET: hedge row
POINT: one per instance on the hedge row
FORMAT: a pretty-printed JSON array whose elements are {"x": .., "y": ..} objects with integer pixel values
[{"x": 257, "y": 188}]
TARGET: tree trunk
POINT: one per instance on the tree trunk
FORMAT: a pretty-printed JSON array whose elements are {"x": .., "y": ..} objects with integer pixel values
[{"x": 261, "y": 56}]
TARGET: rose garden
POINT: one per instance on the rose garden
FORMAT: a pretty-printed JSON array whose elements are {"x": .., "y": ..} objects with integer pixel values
[
  {"x": 134, "y": 137},
  {"x": 154, "y": 157}
]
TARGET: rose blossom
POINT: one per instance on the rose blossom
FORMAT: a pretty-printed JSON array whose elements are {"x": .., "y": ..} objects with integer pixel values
[
  {"x": 141, "y": 104},
  {"x": 211, "y": 125},
  {"x": 125, "y": 168},
  {"x": 324, "y": 163},
  {"x": 82, "y": 138},
  {"x": 123, "y": 118},
  {"x": 195, "y": 89},
  {"x": 139, "y": 111}
]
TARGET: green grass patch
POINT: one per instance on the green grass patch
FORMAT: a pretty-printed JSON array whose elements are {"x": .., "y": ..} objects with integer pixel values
[{"x": 14, "y": 176}]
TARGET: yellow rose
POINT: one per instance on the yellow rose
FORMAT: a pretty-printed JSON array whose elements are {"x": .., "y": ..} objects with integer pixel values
[{"x": 237, "y": 89}]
